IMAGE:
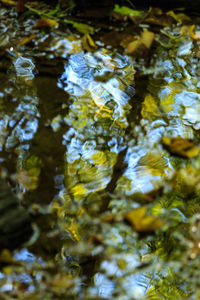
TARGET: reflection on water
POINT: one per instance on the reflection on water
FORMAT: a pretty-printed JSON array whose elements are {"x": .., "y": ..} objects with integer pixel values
[
  {"x": 76, "y": 141},
  {"x": 97, "y": 116}
]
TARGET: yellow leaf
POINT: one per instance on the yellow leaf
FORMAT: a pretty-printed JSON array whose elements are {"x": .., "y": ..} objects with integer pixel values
[
  {"x": 26, "y": 40},
  {"x": 7, "y": 258},
  {"x": 140, "y": 222},
  {"x": 88, "y": 43},
  {"x": 46, "y": 23},
  {"x": 194, "y": 34},
  {"x": 141, "y": 46},
  {"x": 79, "y": 190},
  {"x": 167, "y": 103},
  {"x": 180, "y": 146},
  {"x": 8, "y": 270},
  {"x": 81, "y": 27},
  {"x": 61, "y": 281},
  {"x": 9, "y": 2},
  {"x": 147, "y": 38},
  {"x": 150, "y": 223},
  {"x": 180, "y": 17}
]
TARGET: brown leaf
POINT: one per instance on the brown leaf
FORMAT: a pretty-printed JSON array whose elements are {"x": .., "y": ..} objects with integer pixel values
[
  {"x": 111, "y": 218},
  {"x": 6, "y": 258},
  {"x": 141, "y": 46},
  {"x": 27, "y": 179},
  {"x": 157, "y": 17},
  {"x": 61, "y": 281},
  {"x": 26, "y": 40},
  {"x": 141, "y": 222},
  {"x": 95, "y": 239},
  {"x": 148, "y": 197},
  {"x": 46, "y": 23},
  {"x": 147, "y": 38},
  {"x": 180, "y": 146},
  {"x": 20, "y": 6}
]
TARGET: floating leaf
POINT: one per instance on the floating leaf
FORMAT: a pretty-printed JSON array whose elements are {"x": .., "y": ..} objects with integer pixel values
[
  {"x": 180, "y": 146},
  {"x": 46, "y": 23},
  {"x": 141, "y": 222}
]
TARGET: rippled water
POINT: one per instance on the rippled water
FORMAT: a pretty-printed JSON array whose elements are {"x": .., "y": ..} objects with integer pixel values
[{"x": 81, "y": 140}]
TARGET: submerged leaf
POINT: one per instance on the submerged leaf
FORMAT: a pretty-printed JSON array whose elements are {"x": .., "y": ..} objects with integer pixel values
[
  {"x": 152, "y": 163},
  {"x": 88, "y": 43},
  {"x": 149, "y": 197},
  {"x": 99, "y": 158},
  {"x": 195, "y": 34},
  {"x": 79, "y": 190},
  {"x": 81, "y": 27},
  {"x": 141, "y": 46},
  {"x": 150, "y": 108},
  {"x": 147, "y": 38},
  {"x": 180, "y": 17},
  {"x": 61, "y": 281},
  {"x": 28, "y": 179},
  {"x": 46, "y": 23},
  {"x": 127, "y": 11},
  {"x": 26, "y": 40},
  {"x": 156, "y": 16},
  {"x": 9, "y": 2},
  {"x": 7, "y": 258},
  {"x": 73, "y": 228},
  {"x": 180, "y": 146},
  {"x": 141, "y": 222},
  {"x": 181, "y": 182}
]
